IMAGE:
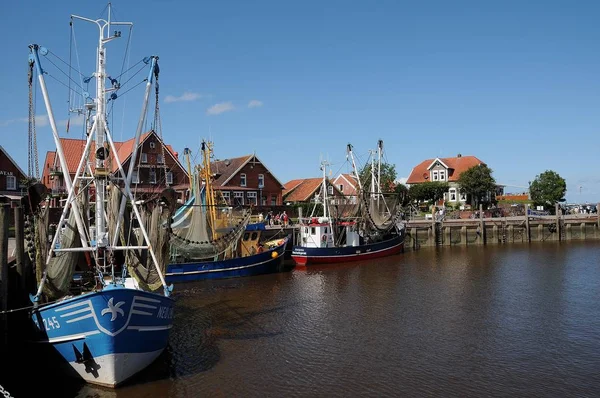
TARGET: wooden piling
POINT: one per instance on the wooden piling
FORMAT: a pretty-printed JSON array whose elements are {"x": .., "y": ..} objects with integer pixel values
[
  {"x": 4, "y": 221},
  {"x": 557, "y": 211},
  {"x": 20, "y": 257},
  {"x": 482, "y": 225},
  {"x": 527, "y": 231}
]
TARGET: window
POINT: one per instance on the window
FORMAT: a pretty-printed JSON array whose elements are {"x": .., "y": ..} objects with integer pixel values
[
  {"x": 242, "y": 180},
  {"x": 11, "y": 183},
  {"x": 226, "y": 197},
  {"x": 330, "y": 189},
  {"x": 135, "y": 177},
  {"x": 435, "y": 175},
  {"x": 251, "y": 198},
  {"x": 169, "y": 177},
  {"x": 152, "y": 177},
  {"x": 263, "y": 201},
  {"x": 261, "y": 180},
  {"x": 144, "y": 158},
  {"x": 152, "y": 145},
  {"x": 463, "y": 197},
  {"x": 238, "y": 198},
  {"x": 442, "y": 175},
  {"x": 341, "y": 187},
  {"x": 452, "y": 194},
  {"x": 313, "y": 230},
  {"x": 160, "y": 159},
  {"x": 273, "y": 200}
]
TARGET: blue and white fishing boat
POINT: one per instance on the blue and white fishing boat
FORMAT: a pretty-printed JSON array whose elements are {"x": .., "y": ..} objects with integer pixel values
[
  {"x": 212, "y": 240},
  {"x": 119, "y": 323}
]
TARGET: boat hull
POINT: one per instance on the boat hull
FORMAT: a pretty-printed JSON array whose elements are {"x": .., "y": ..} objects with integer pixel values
[
  {"x": 267, "y": 262},
  {"x": 108, "y": 336},
  {"x": 304, "y": 256}
]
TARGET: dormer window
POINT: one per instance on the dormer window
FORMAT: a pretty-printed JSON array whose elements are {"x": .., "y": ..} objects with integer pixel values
[
  {"x": 242, "y": 180},
  {"x": 442, "y": 175},
  {"x": 434, "y": 175}
]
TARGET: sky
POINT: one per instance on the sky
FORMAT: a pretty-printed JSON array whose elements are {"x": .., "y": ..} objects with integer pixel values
[{"x": 514, "y": 83}]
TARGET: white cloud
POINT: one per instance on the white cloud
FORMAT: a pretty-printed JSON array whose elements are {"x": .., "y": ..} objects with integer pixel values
[
  {"x": 186, "y": 96},
  {"x": 402, "y": 180},
  {"x": 255, "y": 104},
  {"x": 219, "y": 108},
  {"x": 40, "y": 121}
]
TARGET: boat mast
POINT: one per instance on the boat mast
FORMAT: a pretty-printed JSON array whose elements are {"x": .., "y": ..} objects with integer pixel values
[
  {"x": 210, "y": 199},
  {"x": 379, "y": 151},
  {"x": 354, "y": 169}
]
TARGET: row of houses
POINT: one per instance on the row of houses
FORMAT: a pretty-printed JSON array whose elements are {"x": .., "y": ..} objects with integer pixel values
[{"x": 244, "y": 180}]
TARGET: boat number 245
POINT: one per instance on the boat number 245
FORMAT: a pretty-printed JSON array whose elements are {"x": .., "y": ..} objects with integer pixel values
[{"x": 51, "y": 323}]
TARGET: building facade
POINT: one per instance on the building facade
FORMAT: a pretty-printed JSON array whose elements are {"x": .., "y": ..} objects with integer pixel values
[
  {"x": 157, "y": 167},
  {"x": 444, "y": 170},
  {"x": 11, "y": 177},
  {"x": 246, "y": 181}
]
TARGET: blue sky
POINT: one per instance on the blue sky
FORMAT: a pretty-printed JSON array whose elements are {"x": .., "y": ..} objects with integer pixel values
[{"x": 514, "y": 83}]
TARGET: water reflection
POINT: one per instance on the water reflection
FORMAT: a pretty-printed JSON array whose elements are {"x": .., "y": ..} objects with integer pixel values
[{"x": 518, "y": 320}]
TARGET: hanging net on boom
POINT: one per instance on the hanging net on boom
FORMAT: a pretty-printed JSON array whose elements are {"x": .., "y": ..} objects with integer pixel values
[{"x": 208, "y": 236}]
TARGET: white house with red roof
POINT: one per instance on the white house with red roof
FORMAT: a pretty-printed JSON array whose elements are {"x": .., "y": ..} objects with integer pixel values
[{"x": 444, "y": 170}]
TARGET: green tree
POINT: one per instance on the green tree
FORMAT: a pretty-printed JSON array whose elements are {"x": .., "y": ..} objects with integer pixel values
[
  {"x": 388, "y": 176},
  {"x": 402, "y": 191},
  {"x": 477, "y": 182},
  {"x": 547, "y": 189},
  {"x": 428, "y": 191}
]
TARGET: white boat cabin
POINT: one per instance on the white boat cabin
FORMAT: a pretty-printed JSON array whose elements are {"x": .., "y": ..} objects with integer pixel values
[{"x": 318, "y": 232}]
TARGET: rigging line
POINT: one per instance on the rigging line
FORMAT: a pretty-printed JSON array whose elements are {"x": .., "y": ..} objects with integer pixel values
[
  {"x": 64, "y": 73},
  {"x": 130, "y": 68},
  {"x": 63, "y": 83},
  {"x": 126, "y": 58},
  {"x": 120, "y": 95},
  {"x": 134, "y": 75},
  {"x": 70, "y": 56},
  {"x": 77, "y": 56},
  {"x": 64, "y": 62}
]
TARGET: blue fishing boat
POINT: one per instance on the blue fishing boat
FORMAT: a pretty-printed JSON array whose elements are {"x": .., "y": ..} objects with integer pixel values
[
  {"x": 119, "y": 321},
  {"x": 212, "y": 240}
]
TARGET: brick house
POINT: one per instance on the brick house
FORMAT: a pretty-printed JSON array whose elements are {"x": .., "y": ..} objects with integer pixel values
[
  {"x": 444, "y": 170},
  {"x": 11, "y": 177},
  {"x": 305, "y": 190},
  {"x": 348, "y": 186},
  {"x": 246, "y": 181},
  {"x": 158, "y": 166}
]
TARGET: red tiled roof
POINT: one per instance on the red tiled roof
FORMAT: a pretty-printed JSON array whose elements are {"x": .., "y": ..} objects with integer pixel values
[
  {"x": 73, "y": 149},
  {"x": 456, "y": 166},
  {"x": 302, "y": 191}
]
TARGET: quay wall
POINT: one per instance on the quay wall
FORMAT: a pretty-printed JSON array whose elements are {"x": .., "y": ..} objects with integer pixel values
[{"x": 520, "y": 229}]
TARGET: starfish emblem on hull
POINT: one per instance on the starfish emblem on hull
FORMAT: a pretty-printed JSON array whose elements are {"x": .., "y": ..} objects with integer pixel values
[{"x": 113, "y": 309}]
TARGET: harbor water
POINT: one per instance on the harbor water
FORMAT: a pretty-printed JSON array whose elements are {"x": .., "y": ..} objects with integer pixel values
[{"x": 517, "y": 320}]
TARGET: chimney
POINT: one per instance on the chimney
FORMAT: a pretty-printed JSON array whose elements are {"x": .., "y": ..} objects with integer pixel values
[{"x": 459, "y": 156}]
